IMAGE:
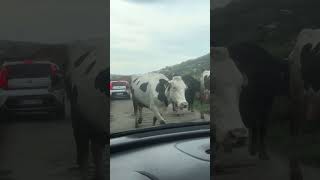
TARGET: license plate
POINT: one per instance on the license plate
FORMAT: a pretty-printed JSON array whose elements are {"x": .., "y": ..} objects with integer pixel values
[
  {"x": 31, "y": 101},
  {"x": 119, "y": 93}
]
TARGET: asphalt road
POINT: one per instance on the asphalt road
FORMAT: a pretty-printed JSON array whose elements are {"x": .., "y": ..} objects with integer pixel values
[
  {"x": 34, "y": 148},
  {"x": 122, "y": 116}
]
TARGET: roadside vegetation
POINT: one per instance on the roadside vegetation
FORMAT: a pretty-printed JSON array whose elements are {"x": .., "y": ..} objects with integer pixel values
[{"x": 205, "y": 108}]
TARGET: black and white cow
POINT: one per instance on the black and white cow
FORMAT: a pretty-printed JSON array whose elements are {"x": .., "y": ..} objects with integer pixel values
[
  {"x": 155, "y": 91},
  {"x": 204, "y": 89},
  {"x": 304, "y": 87},
  {"x": 87, "y": 75},
  {"x": 304, "y": 72},
  {"x": 193, "y": 87},
  {"x": 265, "y": 77}
]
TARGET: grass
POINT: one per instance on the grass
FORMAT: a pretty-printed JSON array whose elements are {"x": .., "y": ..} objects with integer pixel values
[{"x": 205, "y": 107}]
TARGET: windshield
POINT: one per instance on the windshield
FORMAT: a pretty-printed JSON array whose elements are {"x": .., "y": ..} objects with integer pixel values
[{"x": 163, "y": 62}]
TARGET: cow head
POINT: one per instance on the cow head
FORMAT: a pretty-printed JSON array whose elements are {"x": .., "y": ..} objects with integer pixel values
[
  {"x": 227, "y": 85},
  {"x": 175, "y": 92},
  {"x": 310, "y": 64}
]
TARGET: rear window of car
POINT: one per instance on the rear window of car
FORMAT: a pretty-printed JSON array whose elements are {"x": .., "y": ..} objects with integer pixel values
[
  {"x": 119, "y": 84},
  {"x": 28, "y": 70}
]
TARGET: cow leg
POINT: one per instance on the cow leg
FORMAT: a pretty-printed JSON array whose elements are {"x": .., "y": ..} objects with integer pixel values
[
  {"x": 135, "y": 109},
  {"x": 252, "y": 141},
  {"x": 98, "y": 153},
  {"x": 158, "y": 115},
  {"x": 201, "y": 105},
  {"x": 140, "y": 115},
  {"x": 191, "y": 106},
  {"x": 76, "y": 126},
  {"x": 262, "y": 147},
  {"x": 174, "y": 108},
  {"x": 154, "y": 120},
  {"x": 135, "y": 106},
  {"x": 84, "y": 155}
]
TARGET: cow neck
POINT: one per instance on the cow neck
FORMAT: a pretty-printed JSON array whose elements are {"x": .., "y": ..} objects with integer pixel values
[{"x": 167, "y": 93}]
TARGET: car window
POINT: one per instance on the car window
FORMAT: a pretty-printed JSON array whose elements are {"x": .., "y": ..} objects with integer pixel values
[
  {"x": 28, "y": 70},
  {"x": 158, "y": 54},
  {"x": 119, "y": 84}
]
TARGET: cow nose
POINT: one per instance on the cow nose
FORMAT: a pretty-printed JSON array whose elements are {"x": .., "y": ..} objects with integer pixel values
[
  {"x": 239, "y": 133},
  {"x": 184, "y": 105},
  {"x": 238, "y": 136}
]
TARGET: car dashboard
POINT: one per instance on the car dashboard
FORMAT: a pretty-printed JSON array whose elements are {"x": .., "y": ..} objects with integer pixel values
[{"x": 169, "y": 153}]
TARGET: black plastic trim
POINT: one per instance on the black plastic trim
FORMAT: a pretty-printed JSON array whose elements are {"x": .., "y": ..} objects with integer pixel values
[
  {"x": 128, "y": 144},
  {"x": 158, "y": 128}
]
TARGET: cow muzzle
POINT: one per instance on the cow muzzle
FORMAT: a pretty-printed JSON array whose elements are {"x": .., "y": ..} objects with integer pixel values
[
  {"x": 238, "y": 136},
  {"x": 183, "y": 105}
]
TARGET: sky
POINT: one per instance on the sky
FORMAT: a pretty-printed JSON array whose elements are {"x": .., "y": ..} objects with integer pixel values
[
  {"x": 147, "y": 35},
  {"x": 52, "y": 21}
]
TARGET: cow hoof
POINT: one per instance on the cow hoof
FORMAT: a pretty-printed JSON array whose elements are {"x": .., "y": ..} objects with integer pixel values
[
  {"x": 162, "y": 122},
  {"x": 263, "y": 156}
]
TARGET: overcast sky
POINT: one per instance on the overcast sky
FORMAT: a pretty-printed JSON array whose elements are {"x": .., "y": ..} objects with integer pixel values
[
  {"x": 147, "y": 35},
  {"x": 52, "y": 21}
]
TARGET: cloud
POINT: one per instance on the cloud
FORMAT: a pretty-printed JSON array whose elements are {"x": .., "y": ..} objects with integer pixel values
[{"x": 158, "y": 34}]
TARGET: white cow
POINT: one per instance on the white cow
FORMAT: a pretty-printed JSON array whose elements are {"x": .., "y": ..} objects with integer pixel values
[
  {"x": 225, "y": 99},
  {"x": 204, "y": 89},
  {"x": 155, "y": 91}
]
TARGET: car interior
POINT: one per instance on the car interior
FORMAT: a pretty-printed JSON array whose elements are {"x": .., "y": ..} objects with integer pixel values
[{"x": 171, "y": 152}]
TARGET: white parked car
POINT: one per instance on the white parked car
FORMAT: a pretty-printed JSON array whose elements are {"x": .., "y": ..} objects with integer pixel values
[
  {"x": 29, "y": 86},
  {"x": 119, "y": 89}
]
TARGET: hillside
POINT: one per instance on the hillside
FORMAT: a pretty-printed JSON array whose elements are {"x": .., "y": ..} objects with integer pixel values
[
  {"x": 16, "y": 50},
  {"x": 193, "y": 67},
  {"x": 274, "y": 24}
]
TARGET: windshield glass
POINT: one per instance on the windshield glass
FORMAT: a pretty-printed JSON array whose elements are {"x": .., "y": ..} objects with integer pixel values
[{"x": 162, "y": 50}]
